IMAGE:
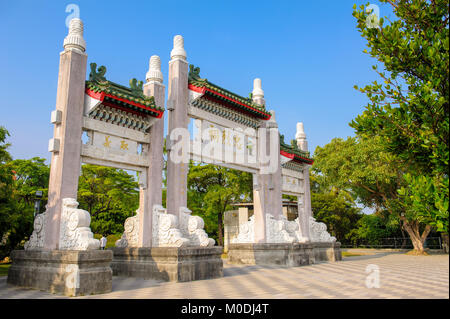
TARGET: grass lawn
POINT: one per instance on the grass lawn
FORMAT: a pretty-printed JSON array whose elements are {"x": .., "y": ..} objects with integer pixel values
[
  {"x": 4, "y": 269},
  {"x": 347, "y": 254},
  {"x": 110, "y": 239}
]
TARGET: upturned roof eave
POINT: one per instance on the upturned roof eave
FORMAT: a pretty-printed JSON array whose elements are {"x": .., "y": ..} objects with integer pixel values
[
  {"x": 234, "y": 100},
  {"x": 295, "y": 157},
  {"x": 123, "y": 99}
]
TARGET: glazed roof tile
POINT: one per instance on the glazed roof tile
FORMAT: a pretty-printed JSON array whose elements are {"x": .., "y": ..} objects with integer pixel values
[
  {"x": 299, "y": 155},
  {"x": 129, "y": 97},
  {"x": 221, "y": 94}
]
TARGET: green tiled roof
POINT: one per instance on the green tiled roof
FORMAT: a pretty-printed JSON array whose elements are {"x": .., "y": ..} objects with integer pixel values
[
  {"x": 194, "y": 79},
  {"x": 98, "y": 83},
  {"x": 293, "y": 149}
]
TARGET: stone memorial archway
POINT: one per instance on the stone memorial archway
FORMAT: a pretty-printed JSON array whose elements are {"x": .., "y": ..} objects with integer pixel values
[{"x": 125, "y": 127}]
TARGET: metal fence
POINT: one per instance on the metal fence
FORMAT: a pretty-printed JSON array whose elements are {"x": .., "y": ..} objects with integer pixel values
[{"x": 396, "y": 243}]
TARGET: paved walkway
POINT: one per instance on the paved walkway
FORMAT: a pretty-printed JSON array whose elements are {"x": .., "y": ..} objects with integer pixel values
[{"x": 400, "y": 276}]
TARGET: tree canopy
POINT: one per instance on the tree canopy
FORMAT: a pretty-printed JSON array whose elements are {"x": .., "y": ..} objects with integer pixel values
[
  {"x": 110, "y": 195},
  {"x": 408, "y": 113},
  {"x": 211, "y": 191},
  {"x": 409, "y": 110},
  {"x": 19, "y": 181}
]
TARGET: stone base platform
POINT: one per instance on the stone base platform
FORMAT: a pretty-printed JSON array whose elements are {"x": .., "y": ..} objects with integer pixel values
[
  {"x": 68, "y": 272},
  {"x": 168, "y": 263},
  {"x": 327, "y": 251},
  {"x": 289, "y": 255}
]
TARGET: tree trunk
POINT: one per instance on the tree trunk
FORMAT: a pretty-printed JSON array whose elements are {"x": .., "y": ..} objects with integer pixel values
[
  {"x": 418, "y": 240},
  {"x": 444, "y": 238},
  {"x": 404, "y": 238},
  {"x": 220, "y": 228}
]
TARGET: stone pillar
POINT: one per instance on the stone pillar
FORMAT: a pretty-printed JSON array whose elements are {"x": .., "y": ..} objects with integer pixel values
[
  {"x": 151, "y": 190},
  {"x": 66, "y": 143},
  {"x": 243, "y": 215},
  {"x": 308, "y": 208},
  {"x": 258, "y": 211},
  {"x": 285, "y": 212},
  {"x": 305, "y": 211},
  {"x": 177, "y": 118},
  {"x": 275, "y": 203},
  {"x": 267, "y": 183},
  {"x": 226, "y": 238},
  {"x": 303, "y": 218},
  {"x": 260, "y": 181}
]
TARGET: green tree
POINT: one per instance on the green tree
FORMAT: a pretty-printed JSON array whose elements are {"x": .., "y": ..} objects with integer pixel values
[
  {"x": 409, "y": 111},
  {"x": 370, "y": 229},
  {"x": 19, "y": 181},
  {"x": 426, "y": 201},
  {"x": 337, "y": 211},
  {"x": 8, "y": 207},
  {"x": 332, "y": 206},
  {"x": 30, "y": 176},
  {"x": 4, "y": 155},
  {"x": 110, "y": 195},
  {"x": 373, "y": 176},
  {"x": 211, "y": 191}
]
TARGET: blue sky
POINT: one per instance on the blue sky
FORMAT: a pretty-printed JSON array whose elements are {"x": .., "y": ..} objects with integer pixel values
[{"x": 307, "y": 53}]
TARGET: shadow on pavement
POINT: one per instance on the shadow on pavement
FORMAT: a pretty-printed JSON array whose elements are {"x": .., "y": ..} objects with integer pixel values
[
  {"x": 127, "y": 283},
  {"x": 371, "y": 256},
  {"x": 238, "y": 270}
]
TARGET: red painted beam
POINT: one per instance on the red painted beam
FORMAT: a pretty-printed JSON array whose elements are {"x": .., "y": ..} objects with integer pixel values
[
  {"x": 205, "y": 89},
  {"x": 296, "y": 157},
  {"x": 101, "y": 96}
]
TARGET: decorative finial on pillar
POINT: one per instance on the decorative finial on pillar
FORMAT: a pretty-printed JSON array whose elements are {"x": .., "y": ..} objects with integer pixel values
[
  {"x": 272, "y": 122},
  {"x": 154, "y": 70},
  {"x": 300, "y": 136},
  {"x": 272, "y": 113},
  {"x": 258, "y": 93},
  {"x": 74, "y": 40},
  {"x": 178, "y": 48}
]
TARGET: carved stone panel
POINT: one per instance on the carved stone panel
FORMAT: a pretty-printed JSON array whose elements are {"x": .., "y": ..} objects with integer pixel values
[{"x": 75, "y": 233}]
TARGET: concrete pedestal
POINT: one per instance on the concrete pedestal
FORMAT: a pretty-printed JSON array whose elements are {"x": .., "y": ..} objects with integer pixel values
[
  {"x": 68, "y": 272},
  {"x": 168, "y": 263},
  {"x": 289, "y": 255},
  {"x": 327, "y": 251}
]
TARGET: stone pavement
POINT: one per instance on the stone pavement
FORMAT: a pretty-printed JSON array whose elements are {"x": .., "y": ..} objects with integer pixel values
[{"x": 401, "y": 276}]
